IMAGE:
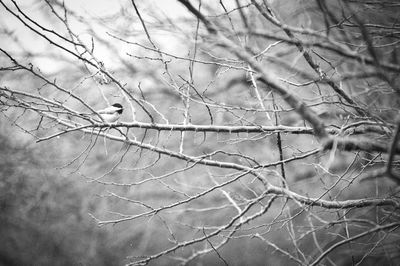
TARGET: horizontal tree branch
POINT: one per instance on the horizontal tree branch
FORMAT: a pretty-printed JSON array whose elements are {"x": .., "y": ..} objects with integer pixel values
[
  {"x": 333, "y": 204},
  {"x": 357, "y": 144},
  {"x": 342, "y": 143}
]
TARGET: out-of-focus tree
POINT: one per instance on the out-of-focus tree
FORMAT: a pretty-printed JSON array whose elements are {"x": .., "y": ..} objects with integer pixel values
[
  {"x": 43, "y": 214},
  {"x": 252, "y": 132}
]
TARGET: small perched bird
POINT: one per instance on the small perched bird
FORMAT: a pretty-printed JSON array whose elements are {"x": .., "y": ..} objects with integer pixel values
[{"x": 110, "y": 114}]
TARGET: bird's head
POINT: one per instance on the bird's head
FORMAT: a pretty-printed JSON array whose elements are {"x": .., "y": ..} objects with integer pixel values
[{"x": 119, "y": 106}]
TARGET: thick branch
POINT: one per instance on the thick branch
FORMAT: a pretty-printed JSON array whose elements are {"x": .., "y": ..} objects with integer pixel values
[{"x": 357, "y": 144}]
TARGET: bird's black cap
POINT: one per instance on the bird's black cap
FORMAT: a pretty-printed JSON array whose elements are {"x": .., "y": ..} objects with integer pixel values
[{"x": 119, "y": 106}]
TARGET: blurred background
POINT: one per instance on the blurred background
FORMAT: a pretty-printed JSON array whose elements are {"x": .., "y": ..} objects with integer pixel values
[{"x": 61, "y": 198}]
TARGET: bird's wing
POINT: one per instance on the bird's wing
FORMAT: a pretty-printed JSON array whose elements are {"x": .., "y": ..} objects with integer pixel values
[{"x": 108, "y": 110}]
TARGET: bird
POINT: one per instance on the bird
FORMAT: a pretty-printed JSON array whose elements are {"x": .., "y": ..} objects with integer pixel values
[{"x": 111, "y": 114}]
